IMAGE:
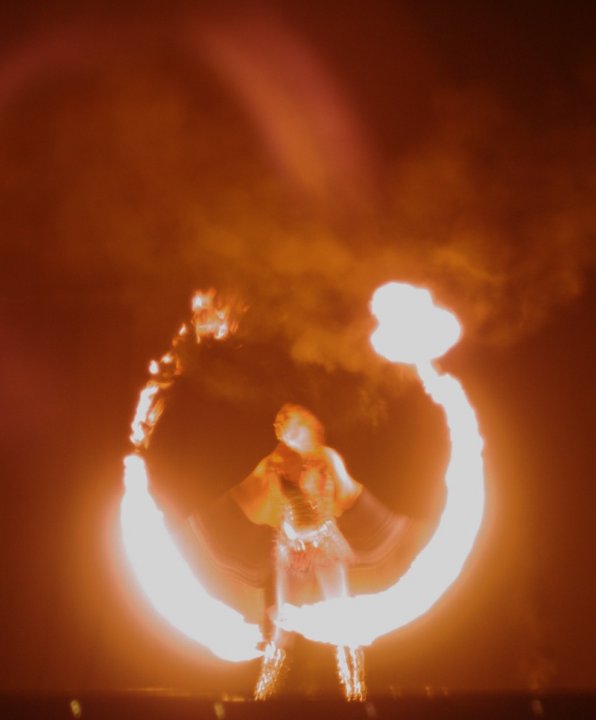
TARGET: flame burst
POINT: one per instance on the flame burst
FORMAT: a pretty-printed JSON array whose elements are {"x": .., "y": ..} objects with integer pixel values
[{"x": 411, "y": 330}]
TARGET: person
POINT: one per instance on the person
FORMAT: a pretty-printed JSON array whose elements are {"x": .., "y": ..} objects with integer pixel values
[
  {"x": 325, "y": 529},
  {"x": 299, "y": 490}
]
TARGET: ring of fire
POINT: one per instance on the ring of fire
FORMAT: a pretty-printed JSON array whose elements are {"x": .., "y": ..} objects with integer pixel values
[{"x": 411, "y": 329}]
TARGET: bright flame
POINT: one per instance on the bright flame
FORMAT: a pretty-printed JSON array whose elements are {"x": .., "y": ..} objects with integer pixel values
[
  {"x": 168, "y": 581},
  {"x": 213, "y": 316},
  {"x": 413, "y": 330},
  {"x": 147, "y": 410}
]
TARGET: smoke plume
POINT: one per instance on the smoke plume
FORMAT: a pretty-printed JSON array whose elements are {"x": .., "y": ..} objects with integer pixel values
[{"x": 144, "y": 168}]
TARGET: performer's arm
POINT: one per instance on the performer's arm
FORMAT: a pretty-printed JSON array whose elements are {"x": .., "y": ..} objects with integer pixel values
[
  {"x": 347, "y": 490},
  {"x": 259, "y": 495}
]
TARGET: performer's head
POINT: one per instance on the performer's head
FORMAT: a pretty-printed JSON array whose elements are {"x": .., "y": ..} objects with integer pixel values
[{"x": 298, "y": 428}]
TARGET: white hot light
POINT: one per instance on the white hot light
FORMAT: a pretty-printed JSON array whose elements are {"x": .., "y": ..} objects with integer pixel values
[
  {"x": 169, "y": 583},
  {"x": 413, "y": 330}
]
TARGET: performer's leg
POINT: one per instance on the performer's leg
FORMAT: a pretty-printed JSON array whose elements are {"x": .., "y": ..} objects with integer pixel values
[
  {"x": 274, "y": 655},
  {"x": 350, "y": 660},
  {"x": 332, "y": 580},
  {"x": 271, "y": 667},
  {"x": 350, "y": 669}
]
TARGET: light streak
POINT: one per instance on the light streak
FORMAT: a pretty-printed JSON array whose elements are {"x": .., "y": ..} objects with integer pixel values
[
  {"x": 361, "y": 619},
  {"x": 168, "y": 581},
  {"x": 412, "y": 330},
  {"x": 161, "y": 571}
]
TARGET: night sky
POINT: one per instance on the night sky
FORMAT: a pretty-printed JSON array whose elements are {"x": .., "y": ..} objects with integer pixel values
[{"x": 296, "y": 155}]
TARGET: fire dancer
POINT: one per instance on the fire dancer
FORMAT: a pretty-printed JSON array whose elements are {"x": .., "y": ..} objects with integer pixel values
[
  {"x": 323, "y": 521},
  {"x": 299, "y": 490}
]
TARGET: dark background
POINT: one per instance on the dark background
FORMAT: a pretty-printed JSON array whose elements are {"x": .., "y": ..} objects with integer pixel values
[{"x": 297, "y": 155}]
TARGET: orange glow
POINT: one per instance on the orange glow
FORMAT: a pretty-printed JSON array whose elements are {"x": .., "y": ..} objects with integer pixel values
[
  {"x": 167, "y": 580},
  {"x": 408, "y": 313}
]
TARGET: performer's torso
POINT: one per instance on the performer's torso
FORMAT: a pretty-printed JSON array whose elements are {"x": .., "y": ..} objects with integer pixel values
[{"x": 307, "y": 485}]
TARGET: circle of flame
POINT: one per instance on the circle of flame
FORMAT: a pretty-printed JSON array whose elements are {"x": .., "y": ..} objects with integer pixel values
[{"x": 411, "y": 329}]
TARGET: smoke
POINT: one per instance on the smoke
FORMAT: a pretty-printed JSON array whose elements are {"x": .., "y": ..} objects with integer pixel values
[
  {"x": 142, "y": 171},
  {"x": 501, "y": 201}
]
